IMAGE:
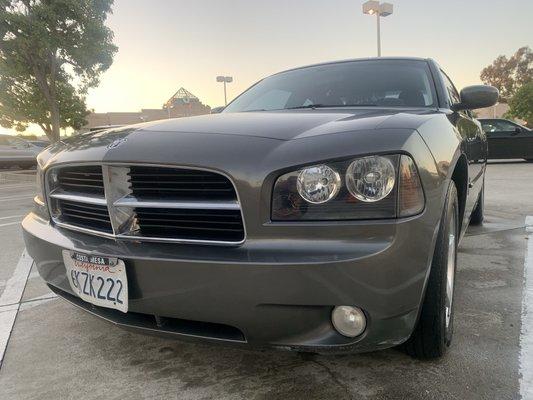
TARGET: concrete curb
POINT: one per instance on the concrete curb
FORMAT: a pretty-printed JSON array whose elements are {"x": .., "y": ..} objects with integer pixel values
[{"x": 17, "y": 176}]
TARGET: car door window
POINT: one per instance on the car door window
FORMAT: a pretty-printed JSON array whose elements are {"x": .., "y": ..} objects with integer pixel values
[
  {"x": 488, "y": 126},
  {"x": 504, "y": 126}
]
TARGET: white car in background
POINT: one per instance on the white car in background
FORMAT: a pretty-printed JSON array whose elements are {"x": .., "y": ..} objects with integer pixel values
[{"x": 17, "y": 152}]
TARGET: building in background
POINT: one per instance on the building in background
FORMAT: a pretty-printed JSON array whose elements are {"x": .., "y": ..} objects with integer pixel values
[
  {"x": 496, "y": 111},
  {"x": 182, "y": 104}
]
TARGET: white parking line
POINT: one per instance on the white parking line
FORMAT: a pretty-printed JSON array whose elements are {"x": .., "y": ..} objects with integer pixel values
[
  {"x": 10, "y": 299},
  {"x": 12, "y": 216},
  {"x": 26, "y": 185},
  {"x": 10, "y": 223},
  {"x": 526, "y": 333},
  {"x": 37, "y": 301},
  {"x": 19, "y": 197}
]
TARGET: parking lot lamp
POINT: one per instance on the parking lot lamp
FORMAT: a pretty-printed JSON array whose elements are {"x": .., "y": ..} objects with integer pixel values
[
  {"x": 225, "y": 80},
  {"x": 378, "y": 9}
]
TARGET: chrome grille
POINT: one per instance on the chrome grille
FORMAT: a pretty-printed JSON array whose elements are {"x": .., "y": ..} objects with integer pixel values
[{"x": 146, "y": 203}]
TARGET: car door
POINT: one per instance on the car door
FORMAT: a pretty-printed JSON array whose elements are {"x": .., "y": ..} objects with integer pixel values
[
  {"x": 508, "y": 140},
  {"x": 476, "y": 144}
]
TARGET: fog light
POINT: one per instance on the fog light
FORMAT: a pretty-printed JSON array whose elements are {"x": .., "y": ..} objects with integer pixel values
[{"x": 348, "y": 321}]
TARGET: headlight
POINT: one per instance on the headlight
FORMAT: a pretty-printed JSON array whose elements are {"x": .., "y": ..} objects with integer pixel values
[
  {"x": 370, "y": 187},
  {"x": 370, "y": 179},
  {"x": 318, "y": 184}
]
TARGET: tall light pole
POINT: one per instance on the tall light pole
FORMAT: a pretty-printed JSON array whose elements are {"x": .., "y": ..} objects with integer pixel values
[
  {"x": 379, "y": 10},
  {"x": 226, "y": 80}
]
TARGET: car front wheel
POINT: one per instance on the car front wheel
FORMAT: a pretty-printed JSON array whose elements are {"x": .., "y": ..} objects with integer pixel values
[{"x": 433, "y": 332}]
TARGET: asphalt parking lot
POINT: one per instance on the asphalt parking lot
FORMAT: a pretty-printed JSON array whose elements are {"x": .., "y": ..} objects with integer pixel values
[{"x": 56, "y": 351}]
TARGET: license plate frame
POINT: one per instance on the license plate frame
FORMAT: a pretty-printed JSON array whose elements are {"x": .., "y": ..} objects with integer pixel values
[{"x": 96, "y": 279}]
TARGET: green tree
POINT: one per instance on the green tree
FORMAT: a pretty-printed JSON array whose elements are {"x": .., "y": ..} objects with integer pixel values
[
  {"x": 509, "y": 74},
  {"x": 51, "y": 53},
  {"x": 521, "y": 104}
]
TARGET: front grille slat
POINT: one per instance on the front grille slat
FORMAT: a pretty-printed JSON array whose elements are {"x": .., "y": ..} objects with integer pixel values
[
  {"x": 178, "y": 190},
  {"x": 192, "y": 221},
  {"x": 81, "y": 186},
  {"x": 166, "y": 203},
  {"x": 68, "y": 210}
]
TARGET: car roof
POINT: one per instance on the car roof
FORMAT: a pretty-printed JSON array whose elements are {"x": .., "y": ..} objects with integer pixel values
[
  {"x": 497, "y": 119},
  {"x": 357, "y": 59}
]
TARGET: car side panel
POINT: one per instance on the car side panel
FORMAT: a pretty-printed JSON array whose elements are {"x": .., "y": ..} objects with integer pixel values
[
  {"x": 473, "y": 142},
  {"x": 447, "y": 145}
]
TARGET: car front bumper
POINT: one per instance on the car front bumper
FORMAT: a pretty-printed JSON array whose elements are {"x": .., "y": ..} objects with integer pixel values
[{"x": 265, "y": 292}]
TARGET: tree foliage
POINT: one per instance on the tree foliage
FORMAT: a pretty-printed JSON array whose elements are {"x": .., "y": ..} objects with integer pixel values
[
  {"x": 51, "y": 52},
  {"x": 509, "y": 74},
  {"x": 521, "y": 104}
]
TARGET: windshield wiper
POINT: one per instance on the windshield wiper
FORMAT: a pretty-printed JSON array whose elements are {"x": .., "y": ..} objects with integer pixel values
[
  {"x": 313, "y": 106},
  {"x": 306, "y": 106}
]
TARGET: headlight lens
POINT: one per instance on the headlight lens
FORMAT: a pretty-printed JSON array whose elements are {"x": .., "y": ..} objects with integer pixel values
[
  {"x": 370, "y": 179},
  {"x": 386, "y": 186},
  {"x": 318, "y": 184}
]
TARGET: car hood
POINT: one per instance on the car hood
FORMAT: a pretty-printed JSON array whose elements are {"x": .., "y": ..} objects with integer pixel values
[
  {"x": 194, "y": 137},
  {"x": 289, "y": 124}
]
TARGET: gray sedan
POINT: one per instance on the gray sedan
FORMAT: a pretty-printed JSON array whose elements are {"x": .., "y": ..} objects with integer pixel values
[
  {"x": 319, "y": 211},
  {"x": 17, "y": 152}
]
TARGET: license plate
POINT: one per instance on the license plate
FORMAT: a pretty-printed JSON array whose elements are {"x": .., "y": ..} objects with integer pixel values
[{"x": 99, "y": 280}]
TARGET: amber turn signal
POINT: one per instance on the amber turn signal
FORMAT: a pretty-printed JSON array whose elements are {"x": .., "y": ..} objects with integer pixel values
[{"x": 411, "y": 195}]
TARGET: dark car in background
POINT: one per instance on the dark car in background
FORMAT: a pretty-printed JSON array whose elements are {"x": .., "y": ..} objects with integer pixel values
[
  {"x": 17, "y": 152},
  {"x": 320, "y": 211},
  {"x": 507, "y": 139},
  {"x": 39, "y": 143}
]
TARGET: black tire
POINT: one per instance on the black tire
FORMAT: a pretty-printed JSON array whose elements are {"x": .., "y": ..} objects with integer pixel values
[
  {"x": 433, "y": 333},
  {"x": 478, "y": 214}
]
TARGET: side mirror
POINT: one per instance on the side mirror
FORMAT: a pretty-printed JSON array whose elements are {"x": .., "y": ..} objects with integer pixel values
[
  {"x": 477, "y": 96},
  {"x": 217, "y": 110}
]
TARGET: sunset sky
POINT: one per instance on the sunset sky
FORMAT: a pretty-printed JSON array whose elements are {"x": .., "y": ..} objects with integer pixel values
[{"x": 164, "y": 44}]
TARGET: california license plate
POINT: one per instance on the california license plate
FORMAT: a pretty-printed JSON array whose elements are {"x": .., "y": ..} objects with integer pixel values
[{"x": 99, "y": 280}]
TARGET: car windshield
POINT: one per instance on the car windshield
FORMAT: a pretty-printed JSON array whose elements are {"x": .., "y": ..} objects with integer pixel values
[{"x": 379, "y": 83}]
